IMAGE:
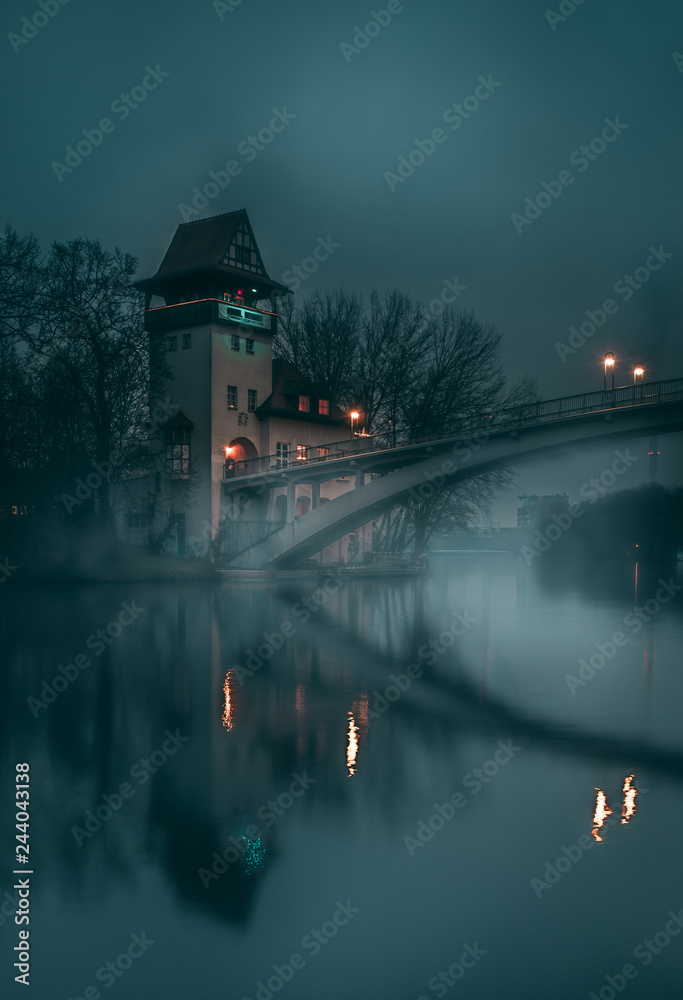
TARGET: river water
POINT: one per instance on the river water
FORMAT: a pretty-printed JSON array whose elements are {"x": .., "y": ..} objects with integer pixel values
[{"x": 346, "y": 792}]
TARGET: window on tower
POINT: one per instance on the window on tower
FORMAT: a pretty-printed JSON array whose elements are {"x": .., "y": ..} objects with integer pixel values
[
  {"x": 282, "y": 454},
  {"x": 235, "y": 342},
  {"x": 171, "y": 343},
  {"x": 249, "y": 346},
  {"x": 304, "y": 404},
  {"x": 251, "y": 400},
  {"x": 178, "y": 453},
  {"x": 187, "y": 340},
  {"x": 232, "y": 397}
]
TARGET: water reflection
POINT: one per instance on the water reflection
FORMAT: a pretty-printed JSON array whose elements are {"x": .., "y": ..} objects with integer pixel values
[
  {"x": 628, "y": 810},
  {"x": 307, "y": 707},
  {"x": 602, "y": 811},
  {"x": 227, "y": 701}
]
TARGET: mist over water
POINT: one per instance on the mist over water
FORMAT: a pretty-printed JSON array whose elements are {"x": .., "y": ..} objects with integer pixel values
[{"x": 315, "y": 758}]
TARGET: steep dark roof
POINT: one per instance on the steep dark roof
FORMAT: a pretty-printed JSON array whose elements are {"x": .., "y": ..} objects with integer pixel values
[
  {"x": 202, "y": 246},
  {"x": 288, "y": 384}
]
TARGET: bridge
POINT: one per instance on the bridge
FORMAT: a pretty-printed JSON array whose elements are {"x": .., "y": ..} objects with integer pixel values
[{"x": 394, "y": 473}]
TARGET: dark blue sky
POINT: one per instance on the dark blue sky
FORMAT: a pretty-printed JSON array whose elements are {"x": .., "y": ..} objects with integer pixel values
[{"x": 323, "y": 175}]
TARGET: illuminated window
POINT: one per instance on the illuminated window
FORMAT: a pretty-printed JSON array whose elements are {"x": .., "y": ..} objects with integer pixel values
[
  {"x": 235, "y": 342},
  {"x": 301, "y": 452},
  {"x": 282, "y": 454},
  {"x": 322, "y": 452},
  {"x": 178, "y": 452},
  {"x": 251, "y": 400},
  {"x": 171, "y": 343},
  {"x": 324, "y": 406},
  {"x": 249, "y": 346},
  {"x": 187, "y": 340},
  {"x": 304, "y": 403},
  {"x": 232, "y": 397}
]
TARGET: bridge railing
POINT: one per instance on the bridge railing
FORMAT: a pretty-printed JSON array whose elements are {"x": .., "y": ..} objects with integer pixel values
[{"x": 544, "y": 411}]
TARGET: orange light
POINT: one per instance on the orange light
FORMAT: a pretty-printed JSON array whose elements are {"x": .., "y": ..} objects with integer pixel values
[
  {"x": 228, "y": 451},
  {"x": 355, "y": 415},
  {"x": 609, "y": 361},
  {"x": 638, "y": 371}
]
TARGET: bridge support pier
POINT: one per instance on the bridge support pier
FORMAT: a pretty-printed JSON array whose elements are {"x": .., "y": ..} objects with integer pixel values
[
  {"x": 360, "y": 479},
  {"x": 315, "y": 495},
  {"x": 291, "y": 501}
]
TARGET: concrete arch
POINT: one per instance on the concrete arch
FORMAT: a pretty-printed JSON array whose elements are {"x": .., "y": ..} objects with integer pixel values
[{"x": 448, "y": 462}]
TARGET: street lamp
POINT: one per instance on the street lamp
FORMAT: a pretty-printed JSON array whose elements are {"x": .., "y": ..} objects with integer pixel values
[
  {"x": 354, "y": 417},
  {"x": 609, "y": 364},
  {"x": 638, "y": 373}
]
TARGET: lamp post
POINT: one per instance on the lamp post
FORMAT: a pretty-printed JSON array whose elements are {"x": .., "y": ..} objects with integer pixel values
[
  {"x": 229, "y": 467},
  {"x": 638, "y": 374},
  {"x": 609, "y": 364},
  {"x": 354, "y": 417}
]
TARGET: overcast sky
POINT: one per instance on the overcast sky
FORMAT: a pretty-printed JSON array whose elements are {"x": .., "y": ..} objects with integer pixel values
[{"x": 332, "y": 170}]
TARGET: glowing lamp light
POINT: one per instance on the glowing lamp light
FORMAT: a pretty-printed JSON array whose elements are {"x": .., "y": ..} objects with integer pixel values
[
  {"x": 638, "y": 373},
  {"x": 609, "y": 365},
  {"x": 355, "y": 415},
  {"x": 228, "y": 451}
]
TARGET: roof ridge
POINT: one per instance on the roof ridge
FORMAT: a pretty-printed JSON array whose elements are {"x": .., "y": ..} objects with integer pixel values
[{"x": 207, "y": 218}]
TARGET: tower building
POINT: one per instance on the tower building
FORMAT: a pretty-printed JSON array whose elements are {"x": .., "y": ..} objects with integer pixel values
[{"x": 212, "y": 308}]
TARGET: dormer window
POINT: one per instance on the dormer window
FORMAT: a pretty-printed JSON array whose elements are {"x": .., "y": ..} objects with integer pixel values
[
  {"x": 304, "y": 404},
  {"x": 324, "y": 407}
]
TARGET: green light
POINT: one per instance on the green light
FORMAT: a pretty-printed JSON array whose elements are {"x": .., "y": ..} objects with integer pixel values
[{"x": 253, "y": 855}]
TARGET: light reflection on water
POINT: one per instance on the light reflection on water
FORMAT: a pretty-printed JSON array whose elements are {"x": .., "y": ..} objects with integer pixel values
[{"x": 311, "y": 709}]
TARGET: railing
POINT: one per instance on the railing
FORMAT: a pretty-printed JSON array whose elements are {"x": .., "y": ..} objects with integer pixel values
[{"x": 545, "y": 411}]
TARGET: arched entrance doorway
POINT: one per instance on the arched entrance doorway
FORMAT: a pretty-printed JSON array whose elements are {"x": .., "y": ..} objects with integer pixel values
[{"x": 242, "y": 449}]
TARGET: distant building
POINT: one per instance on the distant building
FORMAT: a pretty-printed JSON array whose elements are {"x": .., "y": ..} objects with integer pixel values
[{"x": 212, "y": 308}]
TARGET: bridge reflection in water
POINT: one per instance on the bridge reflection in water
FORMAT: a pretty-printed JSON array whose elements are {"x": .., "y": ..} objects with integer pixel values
[{"x": 219, "y": 850}]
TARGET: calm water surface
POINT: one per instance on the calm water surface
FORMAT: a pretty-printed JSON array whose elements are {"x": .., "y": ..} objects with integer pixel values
[{"x": 311, "y": 780}]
